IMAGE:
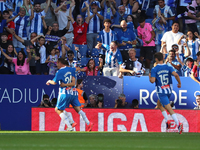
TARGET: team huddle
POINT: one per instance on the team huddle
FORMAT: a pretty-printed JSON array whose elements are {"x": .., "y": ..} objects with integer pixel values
[{"x": 161, "y": 74}]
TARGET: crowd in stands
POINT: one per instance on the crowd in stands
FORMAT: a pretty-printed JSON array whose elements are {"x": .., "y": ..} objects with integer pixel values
[{"x": 99, "y": 37}]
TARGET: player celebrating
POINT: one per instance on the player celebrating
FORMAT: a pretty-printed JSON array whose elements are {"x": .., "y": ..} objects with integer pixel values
[
  {"x": 161, "y": 75},
  {"x": 67, "y": 94}
]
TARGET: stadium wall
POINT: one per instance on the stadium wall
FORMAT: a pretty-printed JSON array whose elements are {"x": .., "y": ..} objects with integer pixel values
[
  {"x": 133, "y": 120},
  {"x": 18, "y": 94}
]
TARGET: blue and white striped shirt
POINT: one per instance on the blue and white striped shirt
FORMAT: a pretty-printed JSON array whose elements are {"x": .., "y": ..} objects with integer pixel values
[
  {"x": 20, "y": 25},
  {"x": 94, "y": 24},
  {"x": 36, "y": 22}
]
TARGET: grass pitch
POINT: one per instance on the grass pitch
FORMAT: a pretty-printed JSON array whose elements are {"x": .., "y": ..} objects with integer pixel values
[{"x": 32, "y": 140}]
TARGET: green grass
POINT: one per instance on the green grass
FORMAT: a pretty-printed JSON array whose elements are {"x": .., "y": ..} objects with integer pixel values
[{"x": 28, "y": 140}]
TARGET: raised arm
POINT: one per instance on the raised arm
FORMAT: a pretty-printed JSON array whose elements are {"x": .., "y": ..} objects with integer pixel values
[
  {"x": 102, "y": 4},
  {"x": 44, "y": 23},
  {"x": 59, "y": 7},
  {"x": 179, "y": 40},
  {"x": 188, "y": 52},
  {"x": 32, "y": 14},
  {"x": 11, "y": 19},
  {"x": 29, "y": 54},
  {"x": 87, "y": 20},
  {"x": 25, "y": 4},
  {"x": 33, "y": 40},
  {"x": 112, "y": 8},
  {"x": 8, "y": 57},
  {"x": 70, "y": 12},
  {"x": 178, "y": 58},
  {"x": 47, "y": 7}
]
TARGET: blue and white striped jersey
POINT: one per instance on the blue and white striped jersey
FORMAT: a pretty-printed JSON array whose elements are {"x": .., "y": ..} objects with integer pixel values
[
  {"x": 36, "y": 22},
  {"x": 20, "y": 25},
  {"x": 163, "y": 75},
  {"x": 65, "y": 75}
]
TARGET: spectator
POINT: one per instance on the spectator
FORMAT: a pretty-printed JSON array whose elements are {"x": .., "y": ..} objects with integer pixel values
[
  {"x": 135, "y": 104},
  {"x": 4, "y": 5},
  {"x": 45, "y": 101},
  {"x": 100, "y": 100},
  {"x": 50, "y": 17},
  {"x": 9, "y": 67},
  {"x": 121, "y": 102},
  {"x": 80, "y": 31},
  {"x": 198, "y": 102},
  {"x": 37, "y": 22},
  {"x": 63, "y": 46},
  {"x": 55, "y": 33},
  {"x": 132, "y": 66},
  {"x": 4, "y": 40},
  {"x": 20, "y": 27},
  {"x": 126, "y": 38},
  {"x": 171, "y": 37},
  {"x": 40, "y": 49},
  {"x": 135, "y": 11},
  {"x": 128, "y": 7},
  {"x": 57, "y": 51},
  {"x": 187, "y": 66},
  {"x": 94, "y": 26},
  {"x": 82, "y": 97},
  {"x": 146, "y": 33},
  {"x": 52, "y": 62},
  {"x": 113, "y": 59},
  {"x": 27, "y": 43},
  {"x": 21, "y": 62},
  {"x": 107, "y": 7},
  {"x": 165, "y": 11},
  {"x": 91, "y": 69},
  {"x": 84, "y": 8},
  {"x": 172, "y": 61},
  {"x": 70, "y": 58},
  {"x": 192, "y": 43},
  {"x": 93, "y": 101},
  {"x": 119, "y": 15},
  {"x": 195, "y": 70},
  {"x": 10, "y": 25},
  {"x": 62, "y": 12},
  {"x": 106, "y": 36},
  {"x": 192, "y": 14}
]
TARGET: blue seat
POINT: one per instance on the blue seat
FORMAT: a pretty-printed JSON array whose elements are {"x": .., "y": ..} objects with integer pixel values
[
  {"x": 149, "y": 21},
  {"x": 95, "y": 52},
  {"x": 137, "y": 52},
  {"x": 19, "y": 49},
  {"x": 84, "y": 61},
  {"x": 149, "y": 13}
]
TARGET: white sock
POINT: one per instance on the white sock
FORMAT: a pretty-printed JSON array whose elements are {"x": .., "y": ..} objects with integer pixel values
[
  {"x": 71, "y": 121},
  {"x": 84, "y": 117},
  {"x": 165, "y": 116},
  {"x": 175, "y": 119},
  {"x": 66, "y": 121}
]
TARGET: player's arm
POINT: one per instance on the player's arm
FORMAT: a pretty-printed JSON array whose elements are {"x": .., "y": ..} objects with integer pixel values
[
  {"x": 177, "y": 79},
  {"x": 50, "y": 82},
  {"x": 73, "y": 83},
  {"x": 152, "y": 79}
]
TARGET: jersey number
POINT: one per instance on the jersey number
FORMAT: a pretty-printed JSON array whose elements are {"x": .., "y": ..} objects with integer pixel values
[{"x": 164, "y": 79}]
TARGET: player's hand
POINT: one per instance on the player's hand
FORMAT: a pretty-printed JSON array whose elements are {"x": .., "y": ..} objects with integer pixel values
[
  {"x": 147, "y": 42},
  {"x": 179, "y": 85},
  {"x": 48, "y": 82}
]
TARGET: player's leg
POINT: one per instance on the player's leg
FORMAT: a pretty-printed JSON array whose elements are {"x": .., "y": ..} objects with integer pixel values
[
  {"x": 76, "y": 104},
  {"x": 164, "y": 113},
  {"x": 59, "y": 109}
]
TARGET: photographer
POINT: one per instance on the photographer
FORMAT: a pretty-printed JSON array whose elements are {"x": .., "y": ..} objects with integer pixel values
[
  {"x": 121, "y": 102},
  {"x": 100, "y": 100},
  {"x": 93, "y": 101},
  {"x": 45, "y": 101}
]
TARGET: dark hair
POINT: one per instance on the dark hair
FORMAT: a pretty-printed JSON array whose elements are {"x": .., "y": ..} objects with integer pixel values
[
  {"x": 4, "y": 33},
  {"x": 189, "y": 59},
  {"x": 141, "y": 19},
  {"x": 131, "y": 17},
  {"x": 135, "y": 103},
  {"x": 193, "y": 38},
  {"x": 116, "y": 43},
  {"x": 45, "y": 96},
  {"x": 36, "y": 4},
  {"x": 89, "y": 67},
  {"x": 78, "y": 82},
  {"x": 1, "y": 17},
  {"x": 161, "y": 0},
  {"x": 11, "y": 55},
  {"x": 34, "y": 33},
  {"x": 198, "y": 53},
  {"x": 70, "y": 52},
  {"x": 107, "y": 20},
  {"x": 175, "y": 22},
  {"x": 126, "y": 3},
  {"x": 21, "y": 63},
  {"x": 173, "y": 51},
  {"x": 41, "y": 37},
  {"x": 159, "y": 56},
  {"x": 63, "y": 61},
  {"x": 5, "y": 12}
]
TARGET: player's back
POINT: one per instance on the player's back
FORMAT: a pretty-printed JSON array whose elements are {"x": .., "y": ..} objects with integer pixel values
[{"x": 163, "y": 75}]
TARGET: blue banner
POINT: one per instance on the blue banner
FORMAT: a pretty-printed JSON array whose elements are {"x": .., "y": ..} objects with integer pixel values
[
  {"x": 18, "y": 94},
  {"x": 144, "y": 91}
]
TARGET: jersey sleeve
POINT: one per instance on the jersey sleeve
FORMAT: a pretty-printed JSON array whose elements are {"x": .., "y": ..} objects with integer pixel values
[
  {"x": 55, "y": 79},
  {"x": 194, "y": 69},
  {"x": 171, "y": 69},
  {"x": 153, "y": 72}
]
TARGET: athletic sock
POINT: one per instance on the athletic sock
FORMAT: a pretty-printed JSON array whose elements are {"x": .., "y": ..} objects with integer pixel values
[
  {"x": 84, "y": 117},
  {"x": 175, "y": 119},
  {"x": 71, "y": 121},
  {"x": 66, "y": 121},
  {"x": 164, "y": 113}
]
